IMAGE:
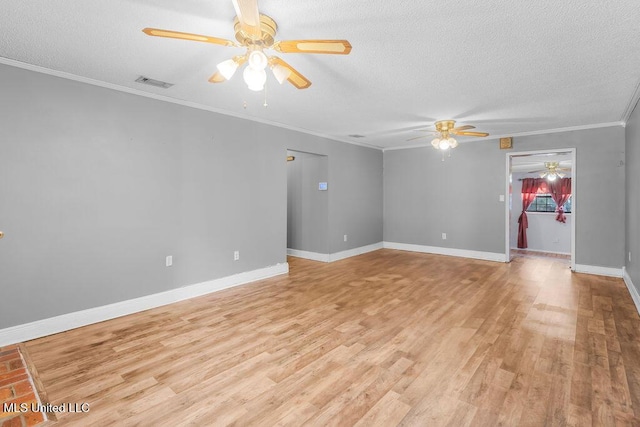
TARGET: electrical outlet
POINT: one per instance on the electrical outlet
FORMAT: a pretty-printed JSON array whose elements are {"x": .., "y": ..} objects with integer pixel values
[
  {"x": 501, "y": 198},
  {"x": 236, "y": 255},
  {"x": 169, "y": 261},
  {"x": 444, "y": 236},
  {"x": 345, "y": 237}
]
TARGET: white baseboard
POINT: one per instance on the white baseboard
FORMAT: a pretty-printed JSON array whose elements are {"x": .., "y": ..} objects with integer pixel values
[
  {"x": 315, "y": 256},
  {"x": 65, "y": 322},
  {"x": 355, "y": 251},
  {"x": 541, "y": 251},
  {"x": 632, "y": 289},
  {"x": 598, "y": 271},
  {"x": 463, "y": 253}
]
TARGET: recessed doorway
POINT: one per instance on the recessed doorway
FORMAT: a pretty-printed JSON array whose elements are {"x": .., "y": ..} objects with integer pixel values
[
  {"x": 307, "y": 205},
  {"x": 536, "y": 180}
]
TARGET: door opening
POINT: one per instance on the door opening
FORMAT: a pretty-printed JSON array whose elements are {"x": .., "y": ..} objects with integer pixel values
[
  {"x": 307, "y": 205},
  {"x": 545, "y": 235}
]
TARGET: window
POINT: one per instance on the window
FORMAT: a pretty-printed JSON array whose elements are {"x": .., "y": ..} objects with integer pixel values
[{"x": 545, "y": 203}]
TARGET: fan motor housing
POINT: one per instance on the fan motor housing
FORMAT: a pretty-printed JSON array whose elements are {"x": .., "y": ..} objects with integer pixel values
[{"x": 268, "y": 29}]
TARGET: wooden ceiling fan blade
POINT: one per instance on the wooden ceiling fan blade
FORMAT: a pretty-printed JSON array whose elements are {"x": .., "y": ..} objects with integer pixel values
[
  {"x": 331, "y": 47},
  {"x": 465, "y": 127},
  {"x": 470, "y": 133},
  {"x": 295, "y": 78},
  {"x": 249, "y": 17},
  {"x": 157, "y": 32},
  {"x": 217, "y": 78}
]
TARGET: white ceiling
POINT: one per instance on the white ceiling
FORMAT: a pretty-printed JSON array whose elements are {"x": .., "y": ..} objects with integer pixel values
[
  {"x": 533, "y": 164},
  {"x": 506, "y": 67}
]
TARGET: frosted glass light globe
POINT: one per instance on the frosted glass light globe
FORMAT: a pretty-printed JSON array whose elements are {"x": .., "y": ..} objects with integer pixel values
[
  {"x": 257, "y": 60},
  {"x": 254, "y": 79}
]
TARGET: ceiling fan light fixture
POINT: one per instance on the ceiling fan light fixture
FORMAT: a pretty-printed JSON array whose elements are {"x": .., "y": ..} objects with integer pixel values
[
  {"x": 227, "y": 68},
  {"x": 453, "y": 143},
  {"x": 254, "y": 79},
  {"x": 436, "y": 143},
  {"x": 258, "y": 60},
  {"x": 444, "y": 144},
  {"x": 280, "y": 73},
  {"x": 551, "y": 177}
]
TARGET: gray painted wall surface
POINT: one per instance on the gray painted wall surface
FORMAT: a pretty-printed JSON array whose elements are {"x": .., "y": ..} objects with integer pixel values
[
  {"x": 425, "y": 197},
  {"x": 633, "y": 197},
  {"x": 98, "y": 186},
  {"x": 307, "y": 207}
]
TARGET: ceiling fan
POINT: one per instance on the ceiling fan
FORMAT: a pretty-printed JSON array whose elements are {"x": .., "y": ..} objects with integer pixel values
[
  {"x": 552, "y": 171},
  {"x": 256, "y": 32},
  {"x": 443, "y": 132}
]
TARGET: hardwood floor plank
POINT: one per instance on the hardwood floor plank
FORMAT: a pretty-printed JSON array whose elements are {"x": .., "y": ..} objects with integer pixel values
[{"x": 385, "y": 338}]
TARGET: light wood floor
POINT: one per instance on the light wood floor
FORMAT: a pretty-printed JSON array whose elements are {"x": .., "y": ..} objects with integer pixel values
[{"x": 386, "y": 338}]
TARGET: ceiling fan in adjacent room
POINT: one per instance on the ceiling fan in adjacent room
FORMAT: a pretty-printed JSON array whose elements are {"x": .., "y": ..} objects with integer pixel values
[
  {"x": 256, "y": 32},
  {"x": 444, "y": 129},
  {"x": 552, "y": 171}
]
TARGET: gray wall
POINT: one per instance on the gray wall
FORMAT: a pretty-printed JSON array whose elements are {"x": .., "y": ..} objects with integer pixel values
[
  {"x": 633, "y": 198},
  {"x": 425, "y": 196},
  {"x": 307, "y": 206},
  {"x": 98, "y": 186}
]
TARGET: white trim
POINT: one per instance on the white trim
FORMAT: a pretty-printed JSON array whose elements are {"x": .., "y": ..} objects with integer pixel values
[
  {"x": 538, "y": 250},
  {"x": 355, "y": 251},
  {"x": 119, "y": 88},
  {"x": 509, "y": 202},
  {"x": 632, "y": 289},
  {"x": 337, "y": 256},
  {"x": 65, "y": 322},
  {"x": 633, "y": 102},
  {"x": 519, "y": 134},
  {"x": 462, "y": 253},
  {"x": 598, "y": 271},
  {"x": 313, "y": 256}
]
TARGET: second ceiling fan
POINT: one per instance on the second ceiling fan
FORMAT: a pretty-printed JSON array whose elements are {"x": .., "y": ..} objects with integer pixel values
[
  {"x": 443, "y": 132},
  {"x": 256, "y": 32}
]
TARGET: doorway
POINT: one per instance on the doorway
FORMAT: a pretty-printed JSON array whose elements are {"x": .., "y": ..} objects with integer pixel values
[
  {"x": 545, "y": 234},
  {"x": 307, "y": 205}
]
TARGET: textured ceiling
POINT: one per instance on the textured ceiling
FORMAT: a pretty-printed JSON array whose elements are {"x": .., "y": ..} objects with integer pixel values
[
  {"x": 506, "y": 67},
  {"x": 534, "y": 163}
]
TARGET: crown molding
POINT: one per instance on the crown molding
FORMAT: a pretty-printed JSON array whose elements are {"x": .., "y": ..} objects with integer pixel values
[
  {"x": 633, "y": 103},
  {"x": 519, "y": 134},
  {"x": 164, "y": 98}
]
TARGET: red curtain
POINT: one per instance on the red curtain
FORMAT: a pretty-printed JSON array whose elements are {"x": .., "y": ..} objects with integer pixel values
[
  {"x": 530, "y": 188},
  {"x": 560, "y": 191}
]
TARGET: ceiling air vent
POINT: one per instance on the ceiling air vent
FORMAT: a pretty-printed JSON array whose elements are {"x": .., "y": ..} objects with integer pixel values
[
  {"x": 151, "y": 82},
  {"x": 355, "y": 135}
]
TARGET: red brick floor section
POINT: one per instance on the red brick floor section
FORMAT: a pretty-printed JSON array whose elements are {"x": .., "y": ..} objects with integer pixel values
[{"x": 16, "y": 387}]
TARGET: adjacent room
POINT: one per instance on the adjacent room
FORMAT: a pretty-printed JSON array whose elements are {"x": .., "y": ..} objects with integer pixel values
[{"x": 246, "y": 212}]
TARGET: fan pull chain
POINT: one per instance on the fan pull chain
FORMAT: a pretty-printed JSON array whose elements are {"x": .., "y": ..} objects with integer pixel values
[{"x": 265, "y": 105}]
